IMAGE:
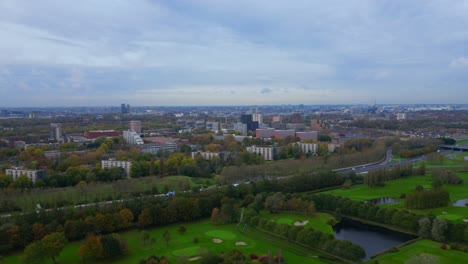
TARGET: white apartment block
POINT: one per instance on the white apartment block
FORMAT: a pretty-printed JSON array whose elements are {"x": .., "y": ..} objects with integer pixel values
[
  {"x": 308, "y": 147},
  {"x": 132, "y": 138},
  {"x": 111, "y": 163},
  {"x": 206, "y": 155},
  {"x": 33, "y": 175},
  {"x": 268, "y": 153}
]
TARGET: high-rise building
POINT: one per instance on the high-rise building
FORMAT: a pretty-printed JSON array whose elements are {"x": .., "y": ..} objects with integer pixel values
[
  {"x": 135, "y": 126},
  {"x": 257, "y": 118},
  {"x": 247, "y": 119},
  {"x": 124, "y": 109},
  {"x": 55, "y": 132}
]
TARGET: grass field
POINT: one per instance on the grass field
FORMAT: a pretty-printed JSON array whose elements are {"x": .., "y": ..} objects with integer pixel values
[
  {"x": 50, "y": 198},
  {"x": 423, "y": 247},
  {"x": 395, "y": 188},
  {"x": 183, "y": 245},
  {"x": 317, "y": 222}
]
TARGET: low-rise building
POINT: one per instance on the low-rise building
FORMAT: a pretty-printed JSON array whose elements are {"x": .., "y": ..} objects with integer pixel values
[
  {"x": 265, "y": 133},
  {"x": 33, "y": 175},
  {"x": 112, "y": 163},
  {"x": 284, "y": 133},
  {"x": 101, "y": 133},
  {"x": 310, "y": 135},
  {"x": 156, "y": 148}
]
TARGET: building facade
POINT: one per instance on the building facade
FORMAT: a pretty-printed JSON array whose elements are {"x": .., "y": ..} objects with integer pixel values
[
  {"x": 310, "y": 135},
  {"x": 55, "y": 132},
  {"x": 132, "y": 138},
  {"x": 156, "y": 148},
  {"x": 101, "y": 133},
  {"x": 135, "y": 126},
  {"x": 208, "y": 155},
  {"x": 112, "y": 163},
  {"x": 265, "y": 132},
  {"x": 284, "y": 133},
  {"x": 268, "y": 153},
  {"x": 33, "y": 175}
]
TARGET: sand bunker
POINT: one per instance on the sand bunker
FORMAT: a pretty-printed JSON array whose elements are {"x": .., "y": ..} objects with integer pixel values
[
  {"x": 194, "y": 258},
  {"x": 241, "y": 243},
  {"x": 303, "y": 223},
  {"x": 217, "y": 240}
]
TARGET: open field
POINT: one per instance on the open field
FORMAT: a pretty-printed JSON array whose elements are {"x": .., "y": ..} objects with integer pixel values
[
  {"x": 93, "y": 192},
  {"x": 423, "y": 247},
  {"x": 183, "y": 245},
  {"x": 317, "y": 222},
  {"x": 406, "y": 185}
]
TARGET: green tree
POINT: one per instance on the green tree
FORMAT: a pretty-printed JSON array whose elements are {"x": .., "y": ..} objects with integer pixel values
[
  {"x": 439, "y": 227},
  {"x": 23, "y": 182},
  {"x": 33, "y": 254},
  {"x": 53, "y": 244},
  {"x": 49, "y": 247},
  {"x": 274, "y": 202}
]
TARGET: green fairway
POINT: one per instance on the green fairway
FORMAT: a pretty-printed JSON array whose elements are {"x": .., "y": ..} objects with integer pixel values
[
  {"x": 221, "y": 234},
  {"x": 423, "y": 247},
  {"x": 185, "y": 245},
  {"x": 317, "y": 222},
  {"x": 406, "y": 185}
]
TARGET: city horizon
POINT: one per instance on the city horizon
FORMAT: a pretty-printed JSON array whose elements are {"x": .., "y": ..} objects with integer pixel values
[{"x": 232, "y": 53}]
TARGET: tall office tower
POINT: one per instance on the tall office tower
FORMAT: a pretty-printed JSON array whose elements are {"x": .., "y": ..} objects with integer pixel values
[
  {"x": 124, "y": 109},
  {"x": 135, "y": 126},
  {"x": 55, "y": 132},
  {"x": 247, "y": 119}
]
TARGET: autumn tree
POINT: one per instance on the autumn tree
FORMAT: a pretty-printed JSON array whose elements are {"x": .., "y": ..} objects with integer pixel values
[
  {"x": 126, "y": 217},
  {"x": 215, "y": 216}
]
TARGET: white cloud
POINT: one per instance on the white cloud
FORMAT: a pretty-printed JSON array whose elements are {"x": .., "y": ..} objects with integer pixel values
[{"x": 459, "y": 63}]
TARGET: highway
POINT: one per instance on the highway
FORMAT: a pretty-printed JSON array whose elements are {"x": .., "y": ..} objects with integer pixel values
[{"x": 386, "y": 163}]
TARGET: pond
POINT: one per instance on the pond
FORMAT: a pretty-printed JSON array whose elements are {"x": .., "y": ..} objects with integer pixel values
[
  {"x": 373, "y": 239},
  {"x": 382, "y": 200},
  {"x": 461, "y": 203}
]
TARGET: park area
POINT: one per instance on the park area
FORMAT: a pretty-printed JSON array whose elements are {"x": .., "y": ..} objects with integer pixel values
[
  {"x": 95, "y": 192},
  {"x": 422, "y": 249},
  {"x": 395, "y": 188},
  {"x": 199, "y": 238}
]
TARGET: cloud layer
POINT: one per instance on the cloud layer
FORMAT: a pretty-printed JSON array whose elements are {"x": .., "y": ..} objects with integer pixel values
[{"x": 213, "y": 52}]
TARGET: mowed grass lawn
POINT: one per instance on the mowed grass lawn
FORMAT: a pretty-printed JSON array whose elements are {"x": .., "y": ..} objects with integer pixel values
[
  {"x": 423, "y": 247},
  {"x": 407, "y": 185},
  {"x": 182, "y": 245},
  {"x": 318, "y": 221}
]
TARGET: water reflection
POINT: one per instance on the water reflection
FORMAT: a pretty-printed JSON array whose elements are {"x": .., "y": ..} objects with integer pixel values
[
  {"x": 373, "y": 239},
  {"x": 382, "y": 200},
  {"x": 461, "y": 203}
]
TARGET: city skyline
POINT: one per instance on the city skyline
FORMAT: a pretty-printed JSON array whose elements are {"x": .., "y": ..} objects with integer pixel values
[{"x": 92, "y": 53}]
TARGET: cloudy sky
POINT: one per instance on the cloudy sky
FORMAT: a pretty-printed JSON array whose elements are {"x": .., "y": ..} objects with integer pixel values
[{"x": 216, "y": 52}]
